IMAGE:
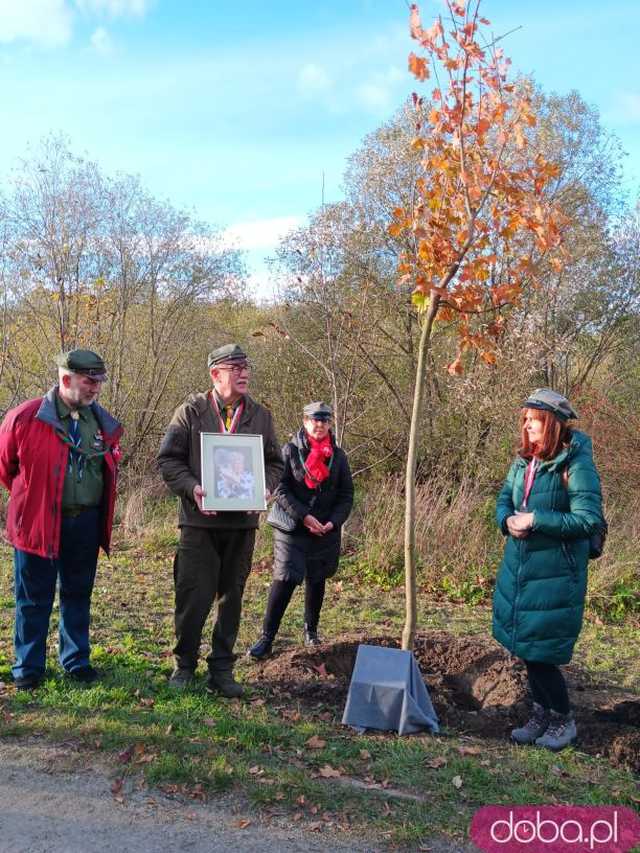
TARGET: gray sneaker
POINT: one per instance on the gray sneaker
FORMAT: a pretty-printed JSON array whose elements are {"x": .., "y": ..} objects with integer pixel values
[
  {"x": 561, "y": 732},
  {"x": 223, "y": 682},
  {"x": 181, "y": 677},
  {"x": 534, "y": 728}
]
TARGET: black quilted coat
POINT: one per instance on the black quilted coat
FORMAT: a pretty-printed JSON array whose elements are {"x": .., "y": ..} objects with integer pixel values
[{"x": 301, "y": 554}]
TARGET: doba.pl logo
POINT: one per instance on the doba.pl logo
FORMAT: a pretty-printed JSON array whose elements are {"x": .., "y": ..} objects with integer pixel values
[{"x": 555, "y": 829}]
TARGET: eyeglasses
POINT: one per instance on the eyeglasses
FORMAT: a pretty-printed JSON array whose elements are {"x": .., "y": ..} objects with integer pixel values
[{"x": 236, "y": 369}]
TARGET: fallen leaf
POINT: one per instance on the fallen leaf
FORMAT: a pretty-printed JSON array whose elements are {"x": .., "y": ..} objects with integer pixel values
[
  {"x": 329, "y": 772},
  {"x": 316, "y": 742},
  {"x": 169, "y": 729},
  {"x": 242, "y": 824},
  {"x": 256, "y": 770},
  {"x": 116, "y": 790},
  {"x": 124, "y": 757},
  {"x": 436, "y": 762},
  {"x": 469, "y": 750},
  {"x": 365, "y": 754},
  {"x": 457, "y": 782},
  {"x": 321, "y": 669}
]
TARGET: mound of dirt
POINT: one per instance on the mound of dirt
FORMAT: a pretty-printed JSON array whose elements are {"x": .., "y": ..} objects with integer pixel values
[{"x": 476, "y": 687}]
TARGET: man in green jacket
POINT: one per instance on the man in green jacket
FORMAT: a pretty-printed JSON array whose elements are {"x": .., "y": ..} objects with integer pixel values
[{"x": 215, "y": 551}]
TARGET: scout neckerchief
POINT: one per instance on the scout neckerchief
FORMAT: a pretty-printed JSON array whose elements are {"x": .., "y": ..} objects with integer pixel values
[
  {"x": 529, "y": 477},
  {"x": 231, "y": 420},
  {"x": 77, "y": 453}
]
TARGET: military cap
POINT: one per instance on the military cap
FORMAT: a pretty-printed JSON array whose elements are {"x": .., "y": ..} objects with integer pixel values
[
  {"x": 319, "y": 411},
  {"x": 83, "y": 361},
  {"x": 550, "y": 401},
  {"x": 229, "y": 352}
]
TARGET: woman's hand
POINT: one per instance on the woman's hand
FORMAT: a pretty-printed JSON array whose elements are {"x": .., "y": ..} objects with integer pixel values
[
  {"x": 520, "y": 524},
  {"x": 313, "y": 525}
]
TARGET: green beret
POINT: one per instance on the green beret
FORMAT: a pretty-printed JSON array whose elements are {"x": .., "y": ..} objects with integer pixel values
[
  {"x": 83, "y": 361},
  {"x": 229, "y": 352},
  {"x": 550, "y": 401},
  {"x": 319, "y": 411}
]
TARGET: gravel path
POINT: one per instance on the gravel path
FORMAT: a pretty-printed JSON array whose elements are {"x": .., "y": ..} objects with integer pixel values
[{"x": 52, "y": 802}]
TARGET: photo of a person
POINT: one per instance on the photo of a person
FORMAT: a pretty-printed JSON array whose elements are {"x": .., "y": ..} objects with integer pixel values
[{"x": 233, "y": 475}]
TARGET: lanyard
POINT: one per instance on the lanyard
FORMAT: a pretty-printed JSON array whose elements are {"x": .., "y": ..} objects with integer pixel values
[
  {"x": 529, "y": 477},
  {"x": 236, "y": 417}
]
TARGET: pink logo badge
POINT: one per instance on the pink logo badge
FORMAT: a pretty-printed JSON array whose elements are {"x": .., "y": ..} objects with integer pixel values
[{"x": 555, "y": 829}]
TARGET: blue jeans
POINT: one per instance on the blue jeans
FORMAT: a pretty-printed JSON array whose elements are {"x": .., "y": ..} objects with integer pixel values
[{"x": 35, "y": 586}]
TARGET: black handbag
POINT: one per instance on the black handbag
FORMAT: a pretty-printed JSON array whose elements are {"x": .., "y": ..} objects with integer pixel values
[{"x": 280, "y": 519}]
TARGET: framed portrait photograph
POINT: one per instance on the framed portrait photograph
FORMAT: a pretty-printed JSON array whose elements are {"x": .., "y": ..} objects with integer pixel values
[{"x": 232, "y": 472}]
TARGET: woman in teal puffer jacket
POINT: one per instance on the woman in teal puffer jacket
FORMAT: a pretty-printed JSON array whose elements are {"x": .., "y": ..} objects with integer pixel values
[{"x": 549, "y": 507}]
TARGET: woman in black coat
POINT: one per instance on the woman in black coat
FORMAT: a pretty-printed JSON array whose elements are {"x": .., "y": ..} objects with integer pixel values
[{"x": 316, "y": 495}]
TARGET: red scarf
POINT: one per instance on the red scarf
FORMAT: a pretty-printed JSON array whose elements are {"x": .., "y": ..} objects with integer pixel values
[{"x": 316, "y": 468}]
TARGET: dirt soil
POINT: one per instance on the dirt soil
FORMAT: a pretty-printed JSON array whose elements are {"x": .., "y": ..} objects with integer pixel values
[{"x": 476, "y": 687}]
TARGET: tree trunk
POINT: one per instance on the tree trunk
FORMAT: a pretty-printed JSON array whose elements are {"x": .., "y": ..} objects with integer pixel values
[{"x": 410, "y": 579}]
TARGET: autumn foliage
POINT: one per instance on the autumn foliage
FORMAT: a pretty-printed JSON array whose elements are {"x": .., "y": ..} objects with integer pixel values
[{"x": 483, "y": 188}]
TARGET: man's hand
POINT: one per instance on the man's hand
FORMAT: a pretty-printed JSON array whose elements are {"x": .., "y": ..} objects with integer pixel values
[
  {"x": 313, "y": 525},
  {"x": 328, "y": 527},
  {"x": 267, "y": 498},
  {"x": 198, "y": 494},
  {"x": 520, "y": 524}
]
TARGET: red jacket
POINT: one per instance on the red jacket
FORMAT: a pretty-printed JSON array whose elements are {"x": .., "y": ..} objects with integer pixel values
[{"x": 33, "y": 461}]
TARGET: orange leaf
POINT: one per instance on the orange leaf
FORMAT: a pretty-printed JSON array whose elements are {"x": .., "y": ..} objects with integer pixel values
[
  {"x": 415, "y": 25},
  {"x": 456, "y": 368},
  {"x": 418, "y": 66}
]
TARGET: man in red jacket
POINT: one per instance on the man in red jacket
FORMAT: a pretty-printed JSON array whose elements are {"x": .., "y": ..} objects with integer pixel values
[{"x": 58, "y": 459}]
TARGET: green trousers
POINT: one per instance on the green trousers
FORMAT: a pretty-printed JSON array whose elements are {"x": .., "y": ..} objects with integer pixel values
[{"x": 210, "y": 566}]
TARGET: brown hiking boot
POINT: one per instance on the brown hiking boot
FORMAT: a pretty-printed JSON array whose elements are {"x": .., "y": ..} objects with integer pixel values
[
  {"x": 534, "y": 728},
  {"x": 224, "y": 683}
]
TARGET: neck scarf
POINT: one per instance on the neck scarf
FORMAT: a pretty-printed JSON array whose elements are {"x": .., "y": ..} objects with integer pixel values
[
  {"x": 316, "y": 469},
  {"x": 232, "y": 413}
]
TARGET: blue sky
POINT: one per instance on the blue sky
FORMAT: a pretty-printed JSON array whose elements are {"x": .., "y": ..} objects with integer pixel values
[{"x": 236, "y": 109}]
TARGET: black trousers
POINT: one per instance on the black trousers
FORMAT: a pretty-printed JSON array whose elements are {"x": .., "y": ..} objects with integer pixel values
[
  {"x": 279, "y": 597},
  {"x": 548, "y": 686},
  {"x": 210, "y": 566}
]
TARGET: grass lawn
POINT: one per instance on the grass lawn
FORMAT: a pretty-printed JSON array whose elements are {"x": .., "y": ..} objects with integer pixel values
[{"x": 279, "y": 753}]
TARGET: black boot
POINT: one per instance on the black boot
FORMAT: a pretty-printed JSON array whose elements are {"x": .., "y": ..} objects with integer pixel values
[
  {"x": 311, "y": 637},
  {"x": 262, "y": 649}
]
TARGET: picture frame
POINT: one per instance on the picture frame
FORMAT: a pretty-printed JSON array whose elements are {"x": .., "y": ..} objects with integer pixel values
[{"x": 232, "y": 467}]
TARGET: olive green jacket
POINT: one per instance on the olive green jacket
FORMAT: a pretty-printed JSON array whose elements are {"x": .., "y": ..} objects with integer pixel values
[
  {"x": 540, "y": 589},
  {"x": 179, "y": 457}
]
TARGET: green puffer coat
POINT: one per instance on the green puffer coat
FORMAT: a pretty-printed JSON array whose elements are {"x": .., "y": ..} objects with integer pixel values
[{"x": 541, "y": 584}]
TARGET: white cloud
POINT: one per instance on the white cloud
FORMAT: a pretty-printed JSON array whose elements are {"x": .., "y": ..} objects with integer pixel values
[
  {"x": 46, "y": 22},
  {"x": 625, "y": 108},
  {"x": 114, "y": 8},
  {"x": 381, "y": 92},
  {"x": 101, "y": 42},
  {"x": 262, "y": 234},
  {"x": 50, "y": 22},
  {"x": 313, "y": 79}
]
